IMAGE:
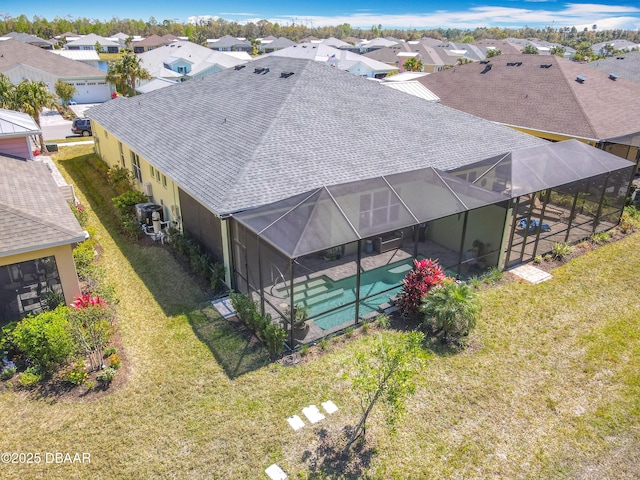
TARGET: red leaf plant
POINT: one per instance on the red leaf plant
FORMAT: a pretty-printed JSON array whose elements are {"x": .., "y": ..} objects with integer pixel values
[
  {"x": 86, "y": 300},
  {"x": 426, "y": 275}
]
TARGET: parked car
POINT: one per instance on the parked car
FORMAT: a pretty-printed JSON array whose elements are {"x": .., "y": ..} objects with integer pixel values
[{"x": 81, "y": 126}]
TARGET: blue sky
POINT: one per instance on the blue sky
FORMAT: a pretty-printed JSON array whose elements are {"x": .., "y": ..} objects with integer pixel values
[{"x": 624, "y": 14}]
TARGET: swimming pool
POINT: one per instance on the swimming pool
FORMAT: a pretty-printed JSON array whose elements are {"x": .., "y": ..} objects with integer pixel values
[{"x": 321, "y": 294}]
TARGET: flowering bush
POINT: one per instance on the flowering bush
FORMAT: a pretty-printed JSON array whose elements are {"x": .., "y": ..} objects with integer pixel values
[
  {"x": 426, "y": 275},
  {"x": 86, "y": 300}
]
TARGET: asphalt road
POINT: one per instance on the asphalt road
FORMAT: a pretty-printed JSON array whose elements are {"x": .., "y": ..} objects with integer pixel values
[{"x": 54, "y": 127}]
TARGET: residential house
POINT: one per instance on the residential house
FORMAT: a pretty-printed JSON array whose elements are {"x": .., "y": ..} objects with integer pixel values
[
  {"x": 626, "y": 65},
  {"x": 37, "y": 227},
  {"x": 229, "y": 44},
  {"x": 20, "y": 61},
  {"x": 269, "y": 46},
  {"x": 88, "y": 57},
  {"x": 88, "y": 42},
  {"x": 543, "y": 47},
  {"x": 549, "y": 97},
  {"x": 341, "y": 59},
  {"x": 427, "y": 51},
  {"x": 317, "y": 188},
  {"x": 608, "y": 48},
  {"x": 181, "y": 60},
  {"x": 30, "y": 39},
  {"x": 151, "y": 42}
]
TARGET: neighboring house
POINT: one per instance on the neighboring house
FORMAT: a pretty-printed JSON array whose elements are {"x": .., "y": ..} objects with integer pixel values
[
  {"x": 30, "y": 39},
  {"x": 20, "y": 61},
  {"x": 543, "y": 47},
  {"x": 182, "y": 60},
  {"x": 626, "y": 65},
  {"x": 16, "y": 132},
  {"x": 432, "y": 57},
  {"x": 88, "y": 42},
  {"x": 149, "y": 43},
  {"x": 317, "y": 188},
  {"x": 505, "y": 47},
  {"x": 549, "y": 97},
  {"x": 277, "y": 44},
  {"x": 155, "y": 84},
  {"x": 332, "y": 42},
  {"x": 376, "y": 43},
  {"x": 606, "y": 48},
  {"x": 407, "y": 82},
  {"x": 88, "y": 57},
  {"x": 341, "y": 59},
  {"x": 229, "y": 44}
]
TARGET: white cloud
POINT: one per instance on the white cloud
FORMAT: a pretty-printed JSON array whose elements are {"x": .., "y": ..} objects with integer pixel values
[{"x": 605, "y": 16}]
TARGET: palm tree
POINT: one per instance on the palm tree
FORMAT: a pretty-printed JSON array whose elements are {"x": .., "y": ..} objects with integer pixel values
[
  {"x": 451, "y": 310},
  {"x": 413, "y": 65},
  {"x": 31, "y": 97},
  {"x": 126, "y": 72},
  {"x": 7, "y": 93}
]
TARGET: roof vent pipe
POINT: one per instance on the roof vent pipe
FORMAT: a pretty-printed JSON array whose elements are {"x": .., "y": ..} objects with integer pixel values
[
  {"x": 580, "y": 79},
  {"x": 613, "y": 76}
]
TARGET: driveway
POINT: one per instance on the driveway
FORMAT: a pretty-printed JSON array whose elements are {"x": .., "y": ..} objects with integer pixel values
[{"x": 54, "y": 127}]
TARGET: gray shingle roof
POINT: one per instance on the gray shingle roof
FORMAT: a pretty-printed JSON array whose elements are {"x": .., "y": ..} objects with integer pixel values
[
  {"x": 626, "y": 65},
  {"x": 239, "y": 139},
  {"x": 33, "y": 212},
  {"x": 546, "y": 99},
  {"x": 15, "y": 53}
]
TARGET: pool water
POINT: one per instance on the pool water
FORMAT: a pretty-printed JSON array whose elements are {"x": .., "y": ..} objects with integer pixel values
[{"x": 321, "y": 294}]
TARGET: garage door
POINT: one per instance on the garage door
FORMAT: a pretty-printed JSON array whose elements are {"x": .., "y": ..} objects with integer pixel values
[{"x": 91, "y": 92}]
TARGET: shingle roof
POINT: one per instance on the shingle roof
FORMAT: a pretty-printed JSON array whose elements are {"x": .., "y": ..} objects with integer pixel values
[
  {"x": 14, "y": 53},
  {"x": 91, "y": 39},
  {"x": 152, "y": 41},
  {"x": 546, "y": 99},
  {"x": 17, "y": 124},
  {"x": 626, "y": 65},
  {"x": 239, "y": 139},
  {"x": 200, "y": 57},
  {"x": 31, "y": 39},
  {"x": 33, "y": 212}
]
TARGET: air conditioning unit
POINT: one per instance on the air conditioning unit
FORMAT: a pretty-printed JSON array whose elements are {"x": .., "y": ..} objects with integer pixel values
[{"x": 148, "y": 190}]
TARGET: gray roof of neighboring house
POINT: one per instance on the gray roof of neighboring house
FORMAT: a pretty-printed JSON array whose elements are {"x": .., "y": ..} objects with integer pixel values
[
  {"x": 342, "y": 59},
  {"x": 616, "y": 44},
  {"x": 202, "y": 58},
  {"x": 227, "y": 42},
  {"x": 17, "y": 124},
  {"x": 31, "y": 39},
  {"x": 334, "y": 42},
  {"x": 280, "y": 42},
  {"x": 33, "y": 213},
  {"x": 91, "y": 40},
  {"x": 240, "y": 139},
  {"x": 626, "y": 65},
  {"x": 14, "y": 53},
  {"x": 545, "y": 99}
]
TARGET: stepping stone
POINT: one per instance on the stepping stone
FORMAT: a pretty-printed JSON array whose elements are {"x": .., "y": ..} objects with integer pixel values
[
  {"x": 329, "y": 407},
  {"x": 274, "y": 472},
  {"x": 313, "y": 414},
  {"x": 296, "y": 422},
  {"x": 224, "y": 307}
]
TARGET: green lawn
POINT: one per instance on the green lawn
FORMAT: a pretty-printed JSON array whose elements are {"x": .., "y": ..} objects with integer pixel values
[{"x": 549, "y": 388}]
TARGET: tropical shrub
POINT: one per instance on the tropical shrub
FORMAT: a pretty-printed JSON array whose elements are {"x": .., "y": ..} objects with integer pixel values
[
  {"x": 561, "y": 251},
  {"x": 126, "y": 202},
  {"x": 110, "y": 351},
  {"x": 45, "y": 339},
  {"x": 450, "y": 310},
  {"x": 80, "y": 213},
  {"x": 600, "y": 238},
  {"x": 274, "y": 337},
  {"x": 84, "y": 255},
  {"x": 78, "y": 373},
  {"x": 90, "y": 322},
  {"x": 120, "y": 179},
  {"x": 30, "y": 377},
  {"x": 426, "y": 275},
  {"x": 114, "y": 361}
]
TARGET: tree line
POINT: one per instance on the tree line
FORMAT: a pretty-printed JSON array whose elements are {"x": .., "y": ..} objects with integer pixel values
[{"x": 296, "y": 30}]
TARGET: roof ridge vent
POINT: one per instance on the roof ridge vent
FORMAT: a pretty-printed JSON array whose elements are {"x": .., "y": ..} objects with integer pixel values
[
  {"x": 580, "y": 79},
  {"x": 546, "y": 65},
  {"x": 285, "y": 74},
  {"x": 613, "y": 76}
]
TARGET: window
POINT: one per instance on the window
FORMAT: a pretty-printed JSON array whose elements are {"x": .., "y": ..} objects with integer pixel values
[
  {"x": 157, "y": 175},
  {"x": 378, "y": 208},
  {"x": 164, "y": 180},
  {"x": 135, "y": 164},
  {"x": 153, "y": 171},
  {"x": 121, "y": 155}
]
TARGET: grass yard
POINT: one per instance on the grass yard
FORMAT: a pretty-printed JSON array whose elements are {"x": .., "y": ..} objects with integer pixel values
[{"x": 549, "y": 387}]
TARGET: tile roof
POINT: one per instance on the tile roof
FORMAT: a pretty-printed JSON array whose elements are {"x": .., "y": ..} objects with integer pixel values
[
  {"x": 545, "y": 99},
  {"x": 14, "y": 53},
  {"x": 239, "y": 139},
  {"x": 33, "y": 212},
  {"x": 625, "y": 65},
  {"x": 17, "y": 124}
]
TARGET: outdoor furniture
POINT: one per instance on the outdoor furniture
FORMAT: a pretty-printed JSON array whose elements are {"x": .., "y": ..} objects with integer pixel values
[
  {"x": 533, "y": 225},
  {"x": 388, "y": 241}
]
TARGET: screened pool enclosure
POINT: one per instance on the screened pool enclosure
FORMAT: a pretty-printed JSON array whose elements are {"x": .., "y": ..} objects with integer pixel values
[{"x": 340, "y": 252}]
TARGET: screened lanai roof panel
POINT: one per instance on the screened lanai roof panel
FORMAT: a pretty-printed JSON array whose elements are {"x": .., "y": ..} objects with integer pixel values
[{"x": 372, "y": 206}]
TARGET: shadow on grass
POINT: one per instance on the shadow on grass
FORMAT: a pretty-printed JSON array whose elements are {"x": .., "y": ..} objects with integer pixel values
[
  {"x": 236, "y": 354},
  {"x": 329, "y": 460},
  {"x": 157, "y": 269}
]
